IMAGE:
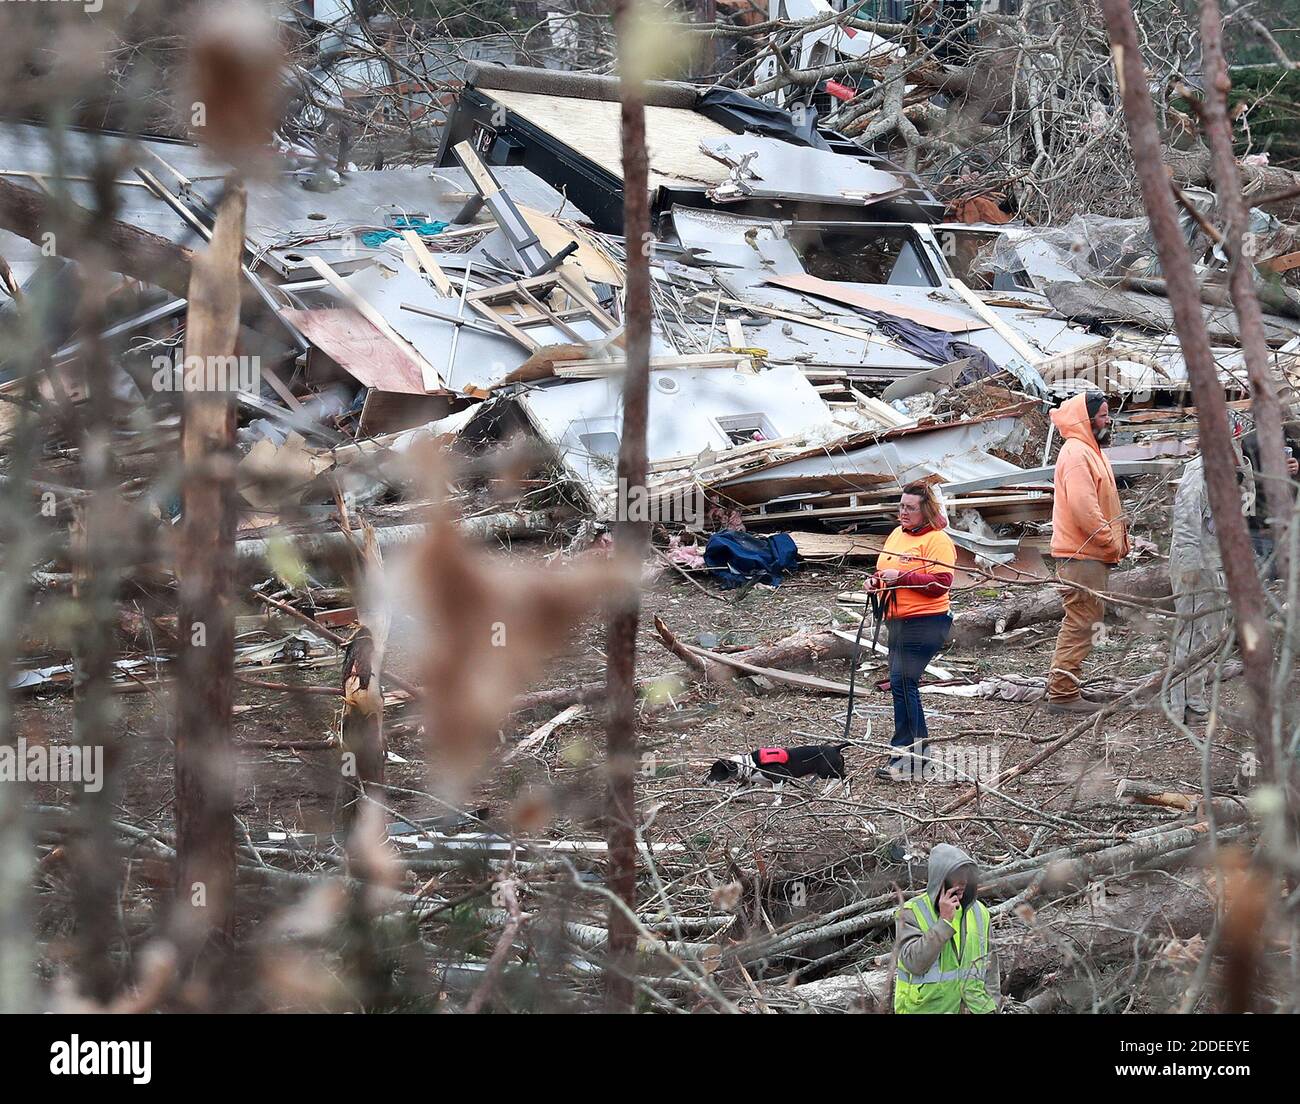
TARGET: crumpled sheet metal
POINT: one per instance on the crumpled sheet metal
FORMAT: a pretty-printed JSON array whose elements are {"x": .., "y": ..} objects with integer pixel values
[{"x": 955, "y": 453}]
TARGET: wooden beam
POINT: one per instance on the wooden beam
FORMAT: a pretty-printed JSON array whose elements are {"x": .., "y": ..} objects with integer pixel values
[
  {"x": 1023, "y": 349},
  {"x": 593, "y": 369},
  {"x": 427, "y": 261},
  {"x": 1283, "y": 263},
  {"x": 941, "y": 673},
  {"x": 478, "y": 172}
]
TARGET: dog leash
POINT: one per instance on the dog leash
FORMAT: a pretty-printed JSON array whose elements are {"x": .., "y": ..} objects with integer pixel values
[
  {"x": 878, "y": 602},
  {"x": 881, "y": 604}
]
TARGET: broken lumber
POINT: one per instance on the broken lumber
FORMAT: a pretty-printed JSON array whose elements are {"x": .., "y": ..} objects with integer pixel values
[
  {"x": 934, "y": 671},
  {"x": 428, "y": 373},
  {"x": 543, "y": 732}
]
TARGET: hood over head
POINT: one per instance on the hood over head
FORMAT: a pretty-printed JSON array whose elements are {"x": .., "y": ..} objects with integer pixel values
[
  {"x": 944, "y": 859},
  {"x": 1072, "y": 421}
]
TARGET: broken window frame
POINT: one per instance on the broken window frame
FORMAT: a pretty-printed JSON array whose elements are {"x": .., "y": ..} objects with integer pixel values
[{"x": 918, "y": 235}]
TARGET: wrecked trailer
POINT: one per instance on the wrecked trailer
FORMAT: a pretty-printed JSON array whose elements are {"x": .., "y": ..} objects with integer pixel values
[{"x": 564, "y": 128}]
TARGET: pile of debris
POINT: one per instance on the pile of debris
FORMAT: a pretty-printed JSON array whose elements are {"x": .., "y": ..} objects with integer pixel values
[{"x": 820, "y": 336}]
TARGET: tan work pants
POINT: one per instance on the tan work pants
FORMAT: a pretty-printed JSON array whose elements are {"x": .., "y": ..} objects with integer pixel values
[{"x": 1080, "y": 627}]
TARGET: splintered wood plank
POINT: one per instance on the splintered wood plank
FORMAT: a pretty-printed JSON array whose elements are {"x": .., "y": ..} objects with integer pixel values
[
  {"x": 426, "y": 259},
  {"x": 941, "y": 673},
  {"x": 1284, "y": 263},
  {"x": 554, "y": 238},
  {"x": 478, "y": 172},
  {"x": 1024, "y": 350},
  {"x": 935, "y": 318},
  {"x": 837, "y": 544}
]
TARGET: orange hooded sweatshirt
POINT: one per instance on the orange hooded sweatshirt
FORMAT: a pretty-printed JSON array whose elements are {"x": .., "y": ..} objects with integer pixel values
[{"x": 1087, "y": 522}]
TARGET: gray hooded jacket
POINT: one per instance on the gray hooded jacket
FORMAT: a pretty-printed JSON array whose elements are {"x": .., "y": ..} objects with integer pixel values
[{"x": 918, "y": 951}]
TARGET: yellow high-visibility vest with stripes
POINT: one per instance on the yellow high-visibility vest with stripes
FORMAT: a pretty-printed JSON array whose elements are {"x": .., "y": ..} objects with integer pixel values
[{"x": 951, "y": 984}]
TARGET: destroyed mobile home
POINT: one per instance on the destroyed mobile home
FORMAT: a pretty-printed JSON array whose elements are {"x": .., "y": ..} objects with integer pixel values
[{"x": 433, "y": 357}]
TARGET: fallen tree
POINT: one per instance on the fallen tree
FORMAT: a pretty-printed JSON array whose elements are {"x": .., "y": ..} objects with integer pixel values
[
  {"x": 1025, "y": 880},
  {"x": 1044, "y": 604},
  {"x": 800, "y": 649},
  {"x": 1275, "y": 190},
  {"x": 1054, "y": 957},
  {"x": 134, "y": 252}
]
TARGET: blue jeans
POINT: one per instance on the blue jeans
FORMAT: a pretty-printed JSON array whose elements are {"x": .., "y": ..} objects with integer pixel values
[
  {"x": 913, "y": 642},
  {"x": 1263, "y": 551}
]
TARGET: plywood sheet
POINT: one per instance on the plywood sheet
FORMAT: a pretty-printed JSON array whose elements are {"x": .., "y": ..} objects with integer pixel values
[
  {"x": 359, "y": 348},
  {"x": 555, "y": 238},
  {"x": 591, "y": 127}
]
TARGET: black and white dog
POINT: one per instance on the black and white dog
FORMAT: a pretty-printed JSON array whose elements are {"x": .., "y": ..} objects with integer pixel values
[{"x": 776, "y": 765}]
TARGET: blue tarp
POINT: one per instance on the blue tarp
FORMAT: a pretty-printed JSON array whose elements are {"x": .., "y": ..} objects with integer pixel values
[
  {"x": 372, "y": 239},
  {"x": 737, "y": 558}
]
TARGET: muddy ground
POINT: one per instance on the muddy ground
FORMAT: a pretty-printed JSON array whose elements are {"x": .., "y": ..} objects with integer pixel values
[{"x": 810, "y": 854}]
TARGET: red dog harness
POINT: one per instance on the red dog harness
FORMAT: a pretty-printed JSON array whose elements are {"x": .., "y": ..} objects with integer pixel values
[{"x": 768, "y": 756}]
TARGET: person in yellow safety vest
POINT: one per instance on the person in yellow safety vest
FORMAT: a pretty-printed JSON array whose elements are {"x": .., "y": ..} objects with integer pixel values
[{"x": 945, "y": 957}]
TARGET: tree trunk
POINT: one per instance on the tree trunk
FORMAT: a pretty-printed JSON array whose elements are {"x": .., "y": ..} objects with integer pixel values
[
  {"x": 632, "y": 537},
  {"x": 99, "y": 542},
  {"x": 972, "y": 625},
  {"x": 1194, "y": 166},
  {"x": 205, "y": 800},
  {"x": 362, "y": 725},
  {"x": 131, "y": 250},
  {"x": 1241, "y": 275},
  {"x": 1244, "y": 587}
]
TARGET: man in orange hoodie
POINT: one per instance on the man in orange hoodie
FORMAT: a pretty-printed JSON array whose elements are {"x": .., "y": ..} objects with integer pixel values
[{"x": 1088, "y": 536}]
